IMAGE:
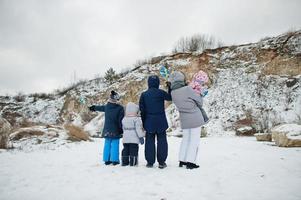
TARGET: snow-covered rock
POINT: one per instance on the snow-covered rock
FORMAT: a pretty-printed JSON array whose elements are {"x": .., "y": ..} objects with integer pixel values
[
  {"x": 263, "y": 137},
  {"x": 287, "y": 135},
  {"x": 245, "y": 131},
  {"x": 38, "y": 137}
]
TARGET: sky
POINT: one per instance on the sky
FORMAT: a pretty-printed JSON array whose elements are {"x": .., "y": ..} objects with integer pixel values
[{"x": 46, "y": 45}]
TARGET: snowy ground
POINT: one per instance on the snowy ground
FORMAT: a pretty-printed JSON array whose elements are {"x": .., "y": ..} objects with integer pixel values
[{"x": 230, "y": 168}]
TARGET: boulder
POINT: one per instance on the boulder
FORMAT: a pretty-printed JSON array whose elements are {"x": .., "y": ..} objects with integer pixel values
[
  {"x": 5, "y": 129},
  {"x": 287, "y": 135},
  {"x": 245, "y": 131},
  {"x": 263, "y": 137}
]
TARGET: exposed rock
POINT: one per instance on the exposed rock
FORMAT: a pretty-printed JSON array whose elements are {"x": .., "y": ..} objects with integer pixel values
[
  {"x": 5, "y": 129},
  {"x": 245, "y": 131},
  {"x": 287, "y": 135},
  {"x": 263, "y": 137}
]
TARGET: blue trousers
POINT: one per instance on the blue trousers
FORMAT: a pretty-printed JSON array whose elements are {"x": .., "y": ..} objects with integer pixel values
[
  {"x": 111, "y": 150},
  {"x": 150, "y": 147}
]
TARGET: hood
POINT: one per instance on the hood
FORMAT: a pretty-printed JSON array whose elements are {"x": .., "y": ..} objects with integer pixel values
[
  {"x": 177, "y": 76},
  {"x": 177, "y": 80},
  {"x": 153, "y": 81},
  {"x": 131, "y": 109}
]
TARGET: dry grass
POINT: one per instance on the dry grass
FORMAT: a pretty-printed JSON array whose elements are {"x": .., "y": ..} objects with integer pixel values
[
  {"x": 76, "y": 133},
  {"x": 26, "y": 133}
]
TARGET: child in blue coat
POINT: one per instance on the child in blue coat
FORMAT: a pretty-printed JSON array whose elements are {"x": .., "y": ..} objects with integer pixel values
[{"x": 112, "y": 131}]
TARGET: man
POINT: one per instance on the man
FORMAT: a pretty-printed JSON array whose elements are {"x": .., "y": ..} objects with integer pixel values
[{"x": 154, "y": 121}]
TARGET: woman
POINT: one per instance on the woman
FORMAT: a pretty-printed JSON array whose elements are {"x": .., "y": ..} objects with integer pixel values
[{"x": 191, "y": 118}]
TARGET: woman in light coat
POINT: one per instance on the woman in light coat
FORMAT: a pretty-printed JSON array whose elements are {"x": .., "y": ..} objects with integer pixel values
[{"x": 191, "y": 118}]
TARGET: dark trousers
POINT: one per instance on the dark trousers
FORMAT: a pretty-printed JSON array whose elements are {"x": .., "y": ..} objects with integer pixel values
[
  {"x": 130, "y": 154},
  {"x": 150, "y": 147}
]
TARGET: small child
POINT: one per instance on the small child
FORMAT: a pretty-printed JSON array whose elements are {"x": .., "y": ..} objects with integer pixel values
[
  {"x": 132, "y": 135},
  {"x": 112, "y": 131},
  {"x": 198, "y": 85}
]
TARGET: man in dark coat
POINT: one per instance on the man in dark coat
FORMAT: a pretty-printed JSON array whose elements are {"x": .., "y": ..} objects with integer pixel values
[
  {"x": 112, "y": 131},
  {"x": 154, "y": 121}
]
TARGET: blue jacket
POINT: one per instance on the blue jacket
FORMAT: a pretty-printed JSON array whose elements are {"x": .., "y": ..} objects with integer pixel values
[
  {"x": 114, "y": 114},
  {"x": 152, "y": 106}
]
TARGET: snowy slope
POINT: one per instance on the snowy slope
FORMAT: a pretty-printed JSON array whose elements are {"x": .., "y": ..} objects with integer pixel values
[{"x": 258, "y": 82}]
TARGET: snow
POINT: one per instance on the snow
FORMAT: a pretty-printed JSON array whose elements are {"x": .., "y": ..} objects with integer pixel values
[{"x": 231, "y": 168}]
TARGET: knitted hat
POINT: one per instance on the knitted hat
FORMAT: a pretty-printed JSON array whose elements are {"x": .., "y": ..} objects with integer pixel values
[{"x": 114, "y": 96}]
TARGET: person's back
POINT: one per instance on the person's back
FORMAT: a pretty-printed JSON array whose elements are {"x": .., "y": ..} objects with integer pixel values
[
  {"x": 113, "y": 116},
  {"x": 152, "y": 106},
  {"x": 133, "y": 134},
  {"x": 188, "y": 103},
  {"x": 154, "y": 121}
]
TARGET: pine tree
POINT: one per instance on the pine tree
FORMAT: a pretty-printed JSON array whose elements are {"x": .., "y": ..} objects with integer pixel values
[{"x": 110, "y": 76}]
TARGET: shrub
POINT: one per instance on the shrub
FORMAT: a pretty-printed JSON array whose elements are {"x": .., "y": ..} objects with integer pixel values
[
  {"x": 72, "y": 86},
  {"x": 110, "y": 76},
  {"x": 20, "y": 97},
  {"x": 76, "y": 133},
  {"x": 198, "y": 42}
]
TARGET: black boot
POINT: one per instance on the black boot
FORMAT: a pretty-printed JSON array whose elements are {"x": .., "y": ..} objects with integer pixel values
[
  {"x": 108, "y": 162},
  {"x": 133, "y": 160},
  {"x": 115, "y": 163},
  {"x": 148, "y": 165},
  {"x": 191, "y": 166},
  {"x": 125, "y": 161},
  {"x": 162, "y": 165},
  {"x": 181, "y": 163}
]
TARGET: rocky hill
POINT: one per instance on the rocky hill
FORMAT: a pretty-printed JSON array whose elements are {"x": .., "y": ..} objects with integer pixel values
[{"x": 252, "y": 88}]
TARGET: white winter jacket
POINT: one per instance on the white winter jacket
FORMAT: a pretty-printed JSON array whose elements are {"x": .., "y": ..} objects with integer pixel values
[{"x": 132, "y": 129}]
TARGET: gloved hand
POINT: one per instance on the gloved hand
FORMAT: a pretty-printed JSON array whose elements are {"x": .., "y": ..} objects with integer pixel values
[
  {"x": 92, "y": 108},
  {"x": 141, "y": 140}
]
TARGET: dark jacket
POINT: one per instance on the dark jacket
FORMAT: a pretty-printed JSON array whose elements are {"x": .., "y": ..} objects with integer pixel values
[
  {"x": 114, "y": 114},
  {"x": 152, "y": 106}
]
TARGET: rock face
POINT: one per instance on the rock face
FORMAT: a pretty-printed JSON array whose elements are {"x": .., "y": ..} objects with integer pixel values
[
  {"x": 5, "y": 129},
  {"x": 287, "y": 135},
  {"x": 263, "y": 137}
]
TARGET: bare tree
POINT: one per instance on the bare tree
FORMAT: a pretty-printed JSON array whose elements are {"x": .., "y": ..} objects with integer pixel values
[{"x": 198, "y": 42}]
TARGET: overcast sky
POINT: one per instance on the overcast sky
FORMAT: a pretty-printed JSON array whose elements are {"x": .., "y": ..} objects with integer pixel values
[{"x": 44, "y": 43}]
